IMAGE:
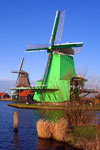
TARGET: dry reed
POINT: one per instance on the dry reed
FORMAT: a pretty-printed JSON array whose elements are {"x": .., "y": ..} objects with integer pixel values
[
  {"x": 56, "y": 130},
  {"x": 90, "y": 145},
  {"x": 43, "y": 129},
  {"x": 59, "y": 129}
]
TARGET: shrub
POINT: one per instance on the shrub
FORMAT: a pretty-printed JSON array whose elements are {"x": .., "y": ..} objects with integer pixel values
[{"x": 80, "y": 116}]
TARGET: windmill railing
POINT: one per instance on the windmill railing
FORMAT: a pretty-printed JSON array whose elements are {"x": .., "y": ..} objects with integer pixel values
[
  {"x": 38, "y": 88},
  {"x": 31, "y": 87},
  {"x": 42, "y": 88}
]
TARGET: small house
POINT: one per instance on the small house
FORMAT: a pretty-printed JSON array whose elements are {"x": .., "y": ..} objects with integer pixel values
[
  {"x": 26, "y": 95},
  {"x": 4, "y": 95}
]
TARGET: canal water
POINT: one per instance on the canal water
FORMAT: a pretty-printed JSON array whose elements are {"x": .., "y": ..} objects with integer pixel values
[{"x": 26, "y": 138}]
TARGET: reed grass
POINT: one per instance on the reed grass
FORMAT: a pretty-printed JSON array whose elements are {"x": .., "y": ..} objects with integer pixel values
[
  {"x": 49, "y": 129},
  {"x": 59, "y": 129},
  {"x": 43, "y": 129},
  {"x": 90, "y": 144}
]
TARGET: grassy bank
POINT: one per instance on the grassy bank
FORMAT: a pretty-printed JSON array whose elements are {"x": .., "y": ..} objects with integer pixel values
[
  {"x": 35, "y": 106},
  {"x": 79, "y": 128},
  {"x": 41, "y": 106},
  {"x": 86, "y": 137},
  {"x": 81, "y": 137},
  {"x": 88, "y": 132}
]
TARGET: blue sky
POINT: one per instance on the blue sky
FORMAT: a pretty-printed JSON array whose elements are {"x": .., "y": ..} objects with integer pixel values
[{"x": 24, "y": 22}]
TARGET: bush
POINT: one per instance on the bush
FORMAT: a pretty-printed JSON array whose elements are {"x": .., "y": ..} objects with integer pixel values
[{"x": 80, "y": 116}]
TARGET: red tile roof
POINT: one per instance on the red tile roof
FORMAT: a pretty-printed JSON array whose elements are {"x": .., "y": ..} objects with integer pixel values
[
  {"x": 2, "y": 93},
  {"x": 98, "y": 96},
  {"x": 26, "y": 93},
  {"x": 16, "y": 93}
]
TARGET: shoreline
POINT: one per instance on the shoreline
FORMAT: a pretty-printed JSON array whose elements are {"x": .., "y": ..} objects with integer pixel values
[
  {"x": 51, "y": 107},
  {"x": 6, "y": 99},
  {"x": 36, "y": 106}
]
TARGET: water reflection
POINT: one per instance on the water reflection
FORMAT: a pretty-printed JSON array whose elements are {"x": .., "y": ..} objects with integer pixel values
[
  {"x": 15, "y": 142},
  {"x": 52, "y": 145},
  {"x": 26, "y": 138}
]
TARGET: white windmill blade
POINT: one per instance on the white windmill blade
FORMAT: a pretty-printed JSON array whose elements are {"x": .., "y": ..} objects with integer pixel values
[
  {"x": 77, "y": 50},
  {"x": 37, "y": 47},
  {"x": 58, "y": 27},
  {"x": 21, "y": 64}
]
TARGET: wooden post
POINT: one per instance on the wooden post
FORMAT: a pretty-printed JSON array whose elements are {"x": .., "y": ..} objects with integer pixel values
[
  {"x": 15, "y": 121},
  {"x": 97, "y": 141}
]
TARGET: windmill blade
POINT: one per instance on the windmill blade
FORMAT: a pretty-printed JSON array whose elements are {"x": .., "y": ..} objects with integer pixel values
[
  {"x": 67, "y": 45},
  {"x": 17, "y": 76},
  {"x": 58, "y": 27},
  {"x": 47, "y": 70},
  {"x": 22, "y": 72},
  {"x": 77, "y": 50},
  {"x": 14, "y": 72},
  {"x": 37, "y": 47},
  {"x": 68, "y": 48},
  {"x": 17, "y": 80},
  {"x": 21, "y": 64}
]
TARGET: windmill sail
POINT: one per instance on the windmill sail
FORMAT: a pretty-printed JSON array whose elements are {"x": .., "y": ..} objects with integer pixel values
[
  {"x": 37, "y": 47},
  {"x": 45, "y": 78},
  {"x": 14, "y": 71},
  {"x": 21, "y": 64},
  {"x": 20, "y": 68},
  {"x": 68, "y": 48},
  {"x": 77, "y": 50},
  {"x": 58, "y": 27}
]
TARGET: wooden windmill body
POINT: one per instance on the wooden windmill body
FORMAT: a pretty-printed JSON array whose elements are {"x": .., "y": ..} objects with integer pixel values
[{"x": 21, "y": 83}]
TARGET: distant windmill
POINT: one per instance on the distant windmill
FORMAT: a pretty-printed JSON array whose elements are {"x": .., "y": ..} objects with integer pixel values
[
  {"x": 23, "y": 78},
  {"x": 60, "y": 66}
]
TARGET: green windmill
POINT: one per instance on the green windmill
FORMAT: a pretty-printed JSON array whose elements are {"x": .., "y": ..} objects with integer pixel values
[{"x": 55, "y": 85}]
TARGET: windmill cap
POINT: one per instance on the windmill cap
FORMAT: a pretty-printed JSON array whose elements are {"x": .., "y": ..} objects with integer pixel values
[{"x": 78, "y": 75}]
